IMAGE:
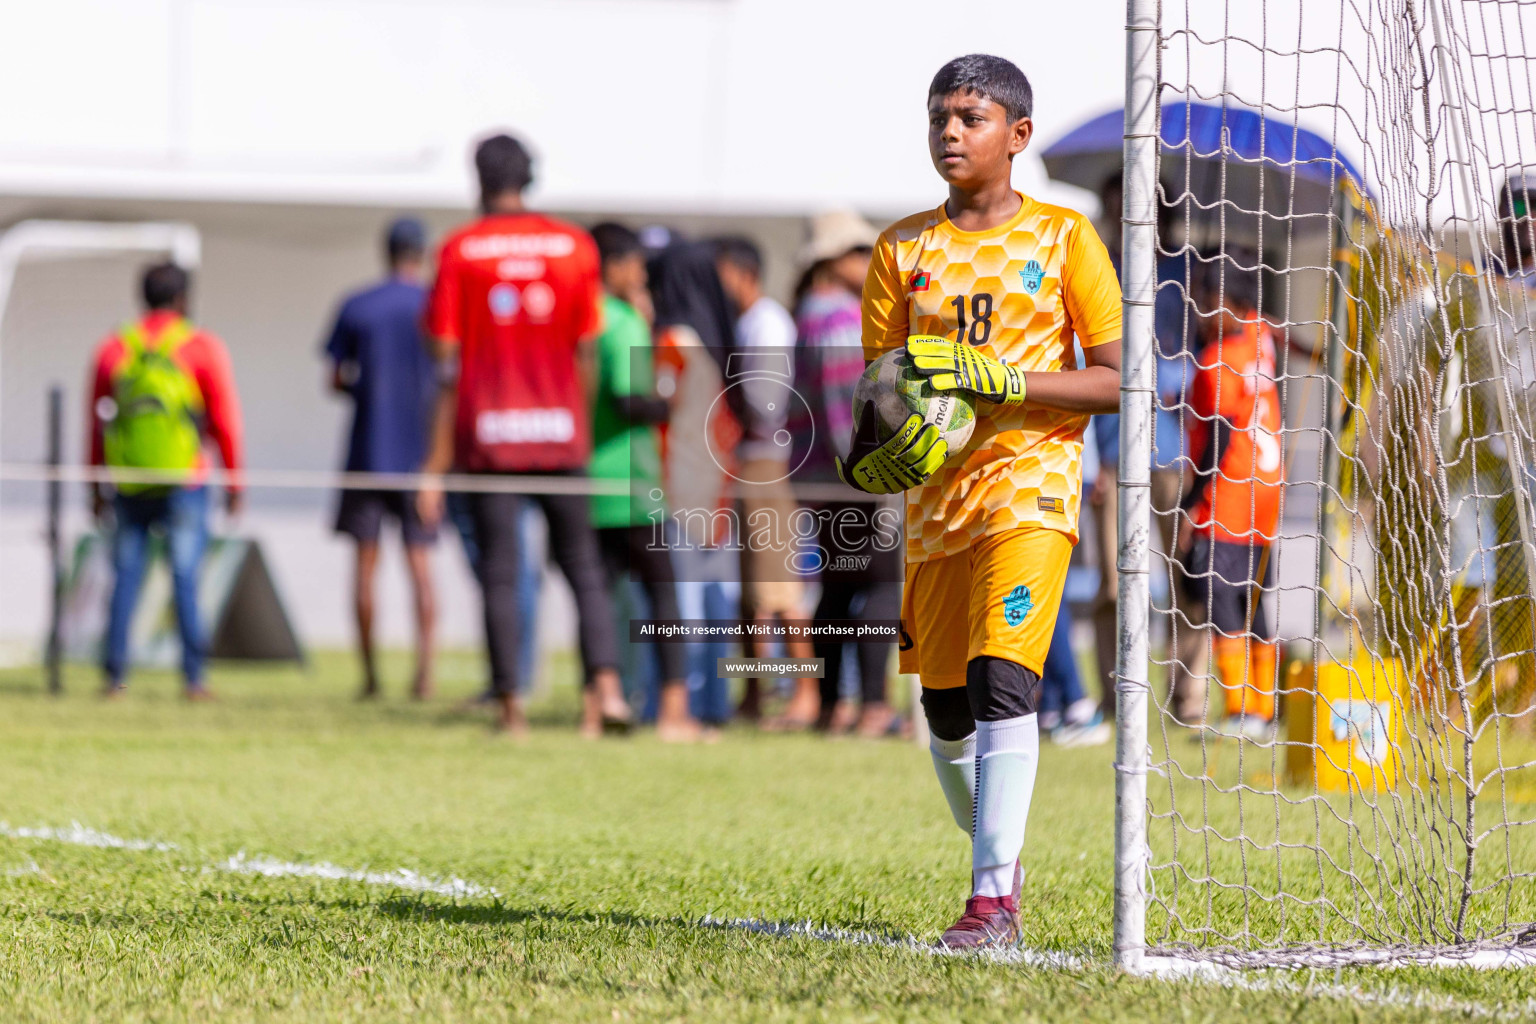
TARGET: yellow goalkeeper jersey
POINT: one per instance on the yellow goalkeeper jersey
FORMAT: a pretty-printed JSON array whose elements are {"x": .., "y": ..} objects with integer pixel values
[{"x": 1021, "y": 292}]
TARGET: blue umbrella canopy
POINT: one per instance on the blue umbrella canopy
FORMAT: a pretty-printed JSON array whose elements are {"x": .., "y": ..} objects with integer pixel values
[{"x": 1269, "y": 163}]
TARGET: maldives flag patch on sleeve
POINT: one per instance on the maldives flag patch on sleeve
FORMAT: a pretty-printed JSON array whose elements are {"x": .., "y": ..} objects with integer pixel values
[{"x": 918, "y": 282}]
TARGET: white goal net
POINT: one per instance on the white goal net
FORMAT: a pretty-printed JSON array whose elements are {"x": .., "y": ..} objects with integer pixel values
[{"x": 1341, "y": 735}]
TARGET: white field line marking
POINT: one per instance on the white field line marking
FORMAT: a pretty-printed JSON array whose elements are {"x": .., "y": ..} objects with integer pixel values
[
  {"x": 1165, "y": 968},
  {"x": 1177, "y": 968},
  {"x": 399, "y": 878},
  {"x": 29, "y": 868},
  {"x": 1394, "y": 997},
  {"x": 78, "y": 835},
  {"x": 1161, "y": 968},
  {"x": 1482, "y": 959},
  {"x": 807, "y": 930}
]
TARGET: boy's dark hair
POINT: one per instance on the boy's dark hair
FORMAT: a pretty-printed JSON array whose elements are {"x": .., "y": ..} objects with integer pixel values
[
  {"x": 1233, "y": 281},
  {"x": 406, "y": 239},
  {"x": 615, "y": 241},
  {"x": 741, "y": 253},
  {"x": 989, "y": 77},
  {"x": 503, "y": 165},
  {"x": 163, "y": 284}
]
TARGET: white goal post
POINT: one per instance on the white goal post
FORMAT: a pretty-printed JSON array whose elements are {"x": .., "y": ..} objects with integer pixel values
[
  {"x": 1133, "y": 558},
  {"x": 1326, "y": 669}
]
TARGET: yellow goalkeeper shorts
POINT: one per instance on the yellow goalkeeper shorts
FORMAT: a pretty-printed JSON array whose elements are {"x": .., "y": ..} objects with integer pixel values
[{"x": 997, "y": 599}]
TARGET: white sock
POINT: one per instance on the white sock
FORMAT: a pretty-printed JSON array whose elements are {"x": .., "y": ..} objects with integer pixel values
[
  {"x": 954, "y": 762},
  {"x": 1007, "y": 754}
]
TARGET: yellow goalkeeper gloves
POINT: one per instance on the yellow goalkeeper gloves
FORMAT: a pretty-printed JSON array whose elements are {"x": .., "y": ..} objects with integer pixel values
[
  {"x": 953, "y": 366},
  {"x": 906, "y": 460}
]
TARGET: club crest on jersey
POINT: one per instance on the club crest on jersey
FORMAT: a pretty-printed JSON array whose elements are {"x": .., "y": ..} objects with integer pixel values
[
  {"x": 504, "y": 301},
  {"x": 1032, "y": 275},
  {"x": 1017, "y": 605},
  {"x": 918, "y": 282}
]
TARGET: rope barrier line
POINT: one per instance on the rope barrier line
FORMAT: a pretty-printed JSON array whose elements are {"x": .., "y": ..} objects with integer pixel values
[{"x": 336, "y": 480}]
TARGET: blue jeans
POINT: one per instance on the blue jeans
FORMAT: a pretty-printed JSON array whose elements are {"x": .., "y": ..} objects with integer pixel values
[
  {"x": 708, "y": 588},
  {"x": 183, "y": 517},
  {"x": 530, "y": 584},
  {"x": 1060, "y": 686}
]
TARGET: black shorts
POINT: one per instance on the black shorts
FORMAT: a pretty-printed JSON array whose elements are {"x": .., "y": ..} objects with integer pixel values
[
  {"x": 360, "y": 515},
  {"x": 1228, "y": 583}
]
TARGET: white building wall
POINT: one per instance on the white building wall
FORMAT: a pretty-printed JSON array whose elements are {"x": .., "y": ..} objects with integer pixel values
[{"x": 697, "y": 105}]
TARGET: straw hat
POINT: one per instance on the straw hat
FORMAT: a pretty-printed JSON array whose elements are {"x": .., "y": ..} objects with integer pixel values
[{"x": 836, "y": 233}]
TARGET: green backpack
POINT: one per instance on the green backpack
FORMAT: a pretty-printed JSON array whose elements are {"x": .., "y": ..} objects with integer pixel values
[{"x": 157, "y": 423}]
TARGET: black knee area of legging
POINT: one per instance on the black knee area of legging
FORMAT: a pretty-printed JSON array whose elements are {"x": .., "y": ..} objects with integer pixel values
[
  {"x": 999, "y": 689},
  {"x": 1228, "y": 584},
  {"x": 949, "y": 713}
]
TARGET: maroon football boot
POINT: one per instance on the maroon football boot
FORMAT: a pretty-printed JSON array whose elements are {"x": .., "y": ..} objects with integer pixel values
[{"x": 989, "y": 922}]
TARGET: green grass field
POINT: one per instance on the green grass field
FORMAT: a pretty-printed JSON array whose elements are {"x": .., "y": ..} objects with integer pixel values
[{"x": 604, "y": 859}]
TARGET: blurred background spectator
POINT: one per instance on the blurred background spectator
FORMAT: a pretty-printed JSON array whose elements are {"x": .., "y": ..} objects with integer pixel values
[
  {"x": 516, "y": 297},
  {"x": 625, "y": 414},
  {"x": 762, "y": 373},
  {"x": 161, "y": 387},
  {"x": 829, "y": 358},
  {"x": 379, "y": 359},
  {"x": 695, "y": 335}
]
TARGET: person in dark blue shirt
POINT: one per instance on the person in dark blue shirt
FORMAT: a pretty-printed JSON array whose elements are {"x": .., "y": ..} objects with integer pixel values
[{"x": 378, "y": 357}]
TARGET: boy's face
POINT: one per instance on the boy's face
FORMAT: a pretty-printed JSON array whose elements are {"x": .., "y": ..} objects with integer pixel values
[
  {"x": 971, "y": 140},
  {"x": 625, "y": 276},
  {"x": 851, "y": 268},
  {"x": 737, "y": 282}
]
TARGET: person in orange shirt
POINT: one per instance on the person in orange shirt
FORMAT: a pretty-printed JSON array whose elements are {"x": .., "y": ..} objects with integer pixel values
[
  {"x": 989, "y": 293},
  {"x": 1232, "y": 497},
  {"x": 132, "y": 425}
]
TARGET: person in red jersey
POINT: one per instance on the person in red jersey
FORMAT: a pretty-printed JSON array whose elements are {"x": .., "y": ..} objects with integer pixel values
[
  {"x": 511, "y": 315},
  {"x": 161, "y": 390}
]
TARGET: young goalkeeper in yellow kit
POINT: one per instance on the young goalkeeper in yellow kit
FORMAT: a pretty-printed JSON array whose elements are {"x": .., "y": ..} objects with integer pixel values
[{"x": 988, "y": 293}]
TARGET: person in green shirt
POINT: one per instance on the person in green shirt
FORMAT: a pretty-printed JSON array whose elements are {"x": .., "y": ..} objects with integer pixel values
[{"x": 626, "y": 446}]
